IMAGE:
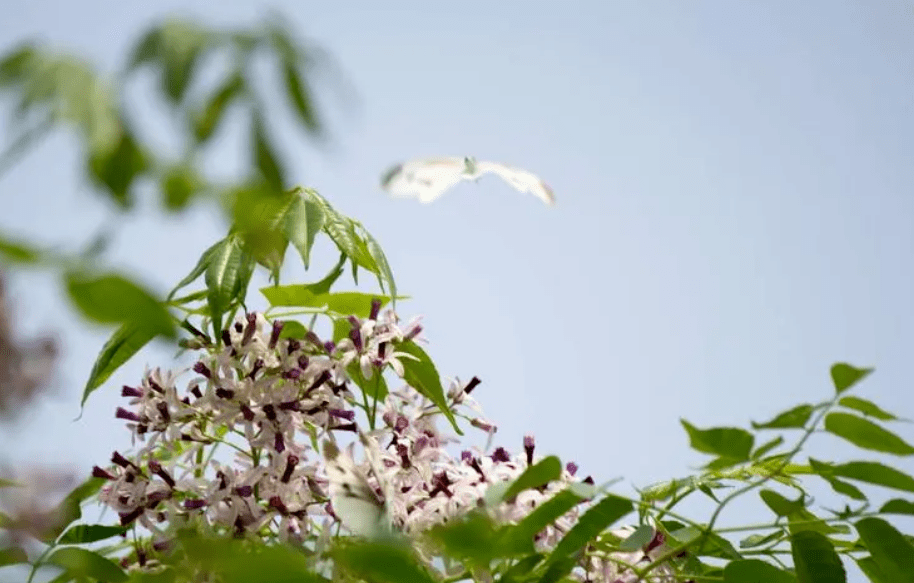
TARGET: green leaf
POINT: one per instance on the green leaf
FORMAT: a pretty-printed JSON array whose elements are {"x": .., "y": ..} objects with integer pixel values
[
  {"x": 875, "y": 473},
  {"x": 265, "y": 157},
  {"x": 17, "y": 252},
  {"x": 179, "y": 185},
  {"x": 871, "y": 570},
  {"x": 730, "y": 442},
  {"x": 539, "y": 474},
  {"x": 111, "y": 299},
  {"x": 385, "y": 274},
  {"x": 12, "y": 556},
  {"x": 889, "y": 549},
  {"x": 792, "y": 418},
  {"x": 599, "y": 517},
  {"x": 303, "y": 221},
  {"x": 756, "y": 571},
  {"x": 207, "y": 120},
  {"x": 69, "y": 510},
  {"x": 519, "y": 538},
  {"x": 866, "y": 434},
  {"x": 806, "y": 520},
  {"x": 845, "y": 488},
  {"x": 221, "y": 278},
  {"x": 868, "y": 408},
  {"x": 781, "y": 505},
  {"x": 375, "y": 387},
  {"x": 198, "y": 269},
  {"x": 381, "y": 563},
  {"x": 89, "y": 533},
  {"x": 897, "y": 506},
  {"x": 181, "y": 45},
  {"x": 293, "y": 329},
  {"x": 422, "y": 375},
  {"x": 815, "y": 559},
  {"x": 766, "y": 447},
  {"x": 123, "y": 344},
  {"x": 344, "y": 303},
  {"x": 116, "y": 169},
  {"x": 758, "y": 540},
  {"x": 17, "y": 64},
  {"x": 845, "y": 376},
  {"x": 470, "y": 538},
  {"x": 83, "y": 563},
  {"x": 300, "y": 97},
  {"x": 147, "y": 50},
  {"x": 638, "y": 539}
]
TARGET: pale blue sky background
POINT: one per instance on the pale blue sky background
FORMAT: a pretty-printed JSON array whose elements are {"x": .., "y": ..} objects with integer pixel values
[{"x": 735, "y": 208}]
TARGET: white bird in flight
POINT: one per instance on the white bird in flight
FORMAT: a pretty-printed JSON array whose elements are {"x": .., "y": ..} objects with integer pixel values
[{"x": 429, "y": 178}]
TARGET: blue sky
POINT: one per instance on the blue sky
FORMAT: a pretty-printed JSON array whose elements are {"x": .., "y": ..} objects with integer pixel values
[{"x": 734, "y": 208}]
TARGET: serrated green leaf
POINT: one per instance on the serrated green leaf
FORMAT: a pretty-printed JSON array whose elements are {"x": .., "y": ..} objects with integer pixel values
[
  {"x": 421, "y": 374},
  {"x": 756, "y": 571},
  {"x": 83, "y": 563},
  {"x": 866, "y": 434},
  {"x": 730, "y": 442},
  {"x": 539, "y": 474},
  {"x": 303, "y": 221},
  {"x": 796, "y": 417},
  {"x": 815, "y": 559},
  {"x": 221, "y": 277},
  {"x": 897, "y": 506},
  {"x": 889, "y": 549},
  {"x": 781, "y": 505},
  {"x": 88, "y": 533},
  {"x": 866, "y": 407},
  {"x": 123, "y": 344},
  {"x": 845, "y": 376},
  {"x": 111, "y": 299}
]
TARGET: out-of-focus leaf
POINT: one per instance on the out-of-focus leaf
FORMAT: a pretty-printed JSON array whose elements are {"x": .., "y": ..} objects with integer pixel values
[
  {"x": 889, "y": 549},
  {"x": 123, "y": 344},
  {"x": 815, "y": 559},
  {"x": 792, "y": 418},
  {"x": 730, "y": 442},
  {"x": 518, "y": 538},
  {"x": 756, "y": 571},
  {"x": 12, "y": 556},
  {"x": 866, "y": 434},
  {"x": 16, "y": 64},
  {"x": 471, "y": 538},
  {"x": 181, "y": 46},
  {"x": 221, "y": 276},
  {"x": 88, "y": 533},
  {"x": 300, "y": 96},
  {"x": 758, "y": 540},
  {"x": 866, "y": 407},
  {"x": 207, "y": 119},
  {"x": 18, "y": 252},
  {"x": 845, "y": 376},
  {"x": 781, "y": 505},
  {"x": 766, "y": 447},
  {"x": 116, "y": 169},
  {"x": 539, "y": 474},
  {"x": 638, "y": 539},
  {"x": 83, "y": 563},
  {"x": 265, "y": 157},
  {"x": 381, "y": 563},
  {"x": 898, "y": 506},
  {"x": 179, "y": 185},
  {"x": 147, "y": 49},
  {"x": 599, "y": 517},
  {"x": 69, "y": 510},
  {"x": 111, "y": 299},
  {"x": 422, "y": 375},
  {"x": 875, "y": 473}
]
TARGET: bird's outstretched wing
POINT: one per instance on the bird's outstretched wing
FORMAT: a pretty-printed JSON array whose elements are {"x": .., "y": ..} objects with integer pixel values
[{"x": 429, "y": 178}]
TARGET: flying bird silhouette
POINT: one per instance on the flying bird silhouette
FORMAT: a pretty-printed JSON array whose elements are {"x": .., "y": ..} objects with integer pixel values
[{"x": 428, "y": 178}]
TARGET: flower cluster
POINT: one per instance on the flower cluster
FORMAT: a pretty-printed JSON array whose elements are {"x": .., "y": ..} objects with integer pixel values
[{"x": 271, "y": 400}]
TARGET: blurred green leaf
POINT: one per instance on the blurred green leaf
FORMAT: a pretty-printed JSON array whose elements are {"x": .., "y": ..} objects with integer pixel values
[
  {"x": 16, "y": 64},
  {"x": 756, "y": 571},
  {"x": 758, "y": 540},
  {"x": 265, "y": 157},
  {"x": 116, "y": 169},
  {"x": 18, "y": 252},
  {"x": 381, "y": 563},
  {"x": 181, "y": 45},
  {"x": 866, "y": 434},
  {"x": 597, "y": 518},
  {"x": 638, "y": 539},
  {"x": 889, "y": 549},
  {"x": 206, "y": 121},
  {"x": 781, "y": 505},
  {"x": 730, "y": 442},
  {"x": 815, "y": 559},
  {"x": 12, "y": 556},
  {"x": 875, "y": 473},
  {"x": 179, "y": 185},
  {"x": 111, "y": 299},
  {"x": 88, "y": 533},
  {"x": 766, "y": 447},
  {"x": 222, "y": 273},
  {"x": 792, "y": 418},
  {"x": 421, "y": 374},
  {"x": 470, "y": 538},
  {"x": 866, "y": 407},
  {"x": 898, "y": 506},
  {"x": 147, "y": 50},
  {"x": 518, "y": 538},
  {"x": 70, "y": 508},
  {"x": 82, "y": 563},
  {"x": 539, "y": 474},
  {"x": 300, "y": 97},
  {"x": 123, "y": 344},
  {"x": 845, "y": 376}
]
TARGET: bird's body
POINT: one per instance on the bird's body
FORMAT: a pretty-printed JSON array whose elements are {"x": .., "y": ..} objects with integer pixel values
[{"x": 428, "y": 178}]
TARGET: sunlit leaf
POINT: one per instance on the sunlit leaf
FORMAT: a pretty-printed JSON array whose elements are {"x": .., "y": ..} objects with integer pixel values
[
  {"x": 845, "y": 376},
  {"x": 303, "y": 221},
  {"x": 792, "y": 418},
  {"x": 123, "y": 344},
  {"x": 221, "y": 276},
  {"x": 727, "y": 442},
  {"x": 866, "y": 434},
  {"x": 421, "y": 374},
  {"x": 889, "y": 549},
  {"x": 815, "y": 559}
]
